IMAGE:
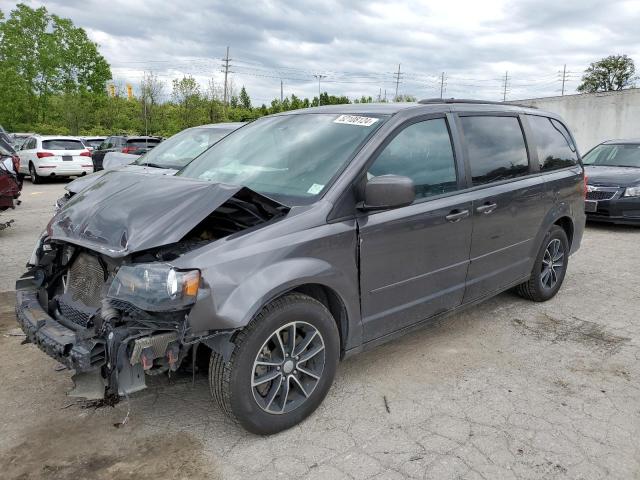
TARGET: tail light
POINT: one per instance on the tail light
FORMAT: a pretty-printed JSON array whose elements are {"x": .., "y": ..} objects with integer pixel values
[
  {"x": 16, "y": 163},
  {"x": 44, "y": 154},
  {"x": 86, "y": 153},
  {"x": 129, "y": 149}
]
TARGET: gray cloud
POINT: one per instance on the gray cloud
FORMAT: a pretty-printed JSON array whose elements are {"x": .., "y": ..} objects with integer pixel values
[{"x": 358, "y": 44}]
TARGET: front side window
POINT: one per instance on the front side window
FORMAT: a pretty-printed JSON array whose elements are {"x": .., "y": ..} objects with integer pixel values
[
  {"x": 291, "y": 158},
  {"x": 496, "y": 148},
  {"x": 612, "y": 155},
  {"x": 422, "y": 152},
  {"x": 555, "y": 147}
]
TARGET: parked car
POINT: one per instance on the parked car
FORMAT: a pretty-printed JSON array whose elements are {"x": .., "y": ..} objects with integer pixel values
[
  {"x": 18, "y": 138},
  {"x": 125, "y": 144},
  {"x": 10, "y": 182},
  {"x": 303, "y": 238},
  {"x": 92, "y": 142},
  {"x": 613, "y": 190},
  {"x": 44, "y": 156},
  {"x": 169, "y": 157}
]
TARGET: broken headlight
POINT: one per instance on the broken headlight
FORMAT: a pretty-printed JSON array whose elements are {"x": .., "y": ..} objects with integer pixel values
[{"x": 155, "y": 286}]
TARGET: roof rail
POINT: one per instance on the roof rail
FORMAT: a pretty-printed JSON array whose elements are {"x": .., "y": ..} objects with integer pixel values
[{"x": 429, "y": 101}]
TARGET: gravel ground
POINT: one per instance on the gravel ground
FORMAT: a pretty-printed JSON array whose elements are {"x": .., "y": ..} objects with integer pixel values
[{"x": 509, "y": 389}]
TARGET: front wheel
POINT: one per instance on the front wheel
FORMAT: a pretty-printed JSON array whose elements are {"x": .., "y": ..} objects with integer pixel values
[
  {"x": 549, "y": 268},
  {"x": 281, "y": 368}
]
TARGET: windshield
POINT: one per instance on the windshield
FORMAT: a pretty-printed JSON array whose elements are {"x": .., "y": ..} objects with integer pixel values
[
  {"x": 181, "y": 148},
  {"x": 623, "y": 155},
  {"x": 291, "y": 158}
]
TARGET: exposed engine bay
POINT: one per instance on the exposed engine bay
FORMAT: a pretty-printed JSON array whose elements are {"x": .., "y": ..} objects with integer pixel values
[{"x": 115, "y": 320}]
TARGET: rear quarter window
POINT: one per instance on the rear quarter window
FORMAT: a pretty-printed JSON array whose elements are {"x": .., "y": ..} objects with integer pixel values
[{"x": 553, "y": 143}]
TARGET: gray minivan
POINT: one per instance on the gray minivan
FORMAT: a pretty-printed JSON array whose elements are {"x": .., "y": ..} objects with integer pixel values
[{"x": 298, "y": 240}]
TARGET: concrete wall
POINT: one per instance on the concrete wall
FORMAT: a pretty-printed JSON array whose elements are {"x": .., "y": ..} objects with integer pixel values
[{"x": 595, "y": 117}]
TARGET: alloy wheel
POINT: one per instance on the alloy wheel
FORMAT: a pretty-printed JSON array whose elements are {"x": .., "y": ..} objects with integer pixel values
[
  {"x": 288, "y": 367},
  {"x": 552, "y": 263}
]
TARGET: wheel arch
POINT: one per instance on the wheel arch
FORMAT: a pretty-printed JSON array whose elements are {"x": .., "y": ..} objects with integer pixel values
[{"x": 567, "y": 225}]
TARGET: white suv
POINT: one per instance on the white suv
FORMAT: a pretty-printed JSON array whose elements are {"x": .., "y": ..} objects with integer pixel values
[{"x": 54, "y": 156}]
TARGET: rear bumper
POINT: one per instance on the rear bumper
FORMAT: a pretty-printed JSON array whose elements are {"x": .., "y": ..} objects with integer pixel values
[
  {"x": 623, "y": 210},
  {"x": 65, "y": 170},
  {"x": 71, "y": 348}
]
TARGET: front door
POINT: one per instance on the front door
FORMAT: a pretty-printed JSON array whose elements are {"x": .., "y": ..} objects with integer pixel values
[{"x": 413, "y": 260}]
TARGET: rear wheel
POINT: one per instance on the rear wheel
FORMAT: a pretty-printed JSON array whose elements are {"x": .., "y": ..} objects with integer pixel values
[
  {"x": 281, "y": 368},
  {"x": 549, "y": 268},
  {"x": 35, "y": 178}
]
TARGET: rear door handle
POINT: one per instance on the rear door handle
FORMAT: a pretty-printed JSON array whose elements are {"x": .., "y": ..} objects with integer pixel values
[
  {"x": 457, "y": 215},
  {"x": 487, "y": 208}
]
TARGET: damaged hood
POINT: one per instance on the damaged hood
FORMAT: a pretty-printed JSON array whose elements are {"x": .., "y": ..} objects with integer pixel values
[
  {"x": 130, "y": 212},
  {"x": 81, "y": 183}
]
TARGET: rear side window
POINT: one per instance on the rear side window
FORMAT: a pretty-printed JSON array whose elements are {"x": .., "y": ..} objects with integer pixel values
[
  {"x": 422, "y": 152},
  {"x": 62, "y": 144},
  {"x": 137, "y": 142},
  {"x": 555, "y": 147},
  {"x": 496, "y": 148}
]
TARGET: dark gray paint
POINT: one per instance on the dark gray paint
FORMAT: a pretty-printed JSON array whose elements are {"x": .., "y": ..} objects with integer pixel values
[{"x": 390, "y": 269}]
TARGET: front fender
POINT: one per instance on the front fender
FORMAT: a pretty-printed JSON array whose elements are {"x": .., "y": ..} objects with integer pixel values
[{"x": 236, "y": 309}]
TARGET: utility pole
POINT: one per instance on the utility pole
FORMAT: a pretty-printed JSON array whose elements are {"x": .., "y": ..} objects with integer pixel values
[
  {"x": 397, "y": 75},
  {"x": 380, "y": 95},
  {"x": 442, "y": 85},
  {"x": 564, "y": 77},
  {"x": 281, "y": 92},
  {"x": 226, "y": 71},
  {"x": 506, "y": 82},
  {"x": 319, "y": 76}
]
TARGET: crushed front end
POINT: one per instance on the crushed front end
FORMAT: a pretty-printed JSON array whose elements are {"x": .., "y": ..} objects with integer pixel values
[{"x": 112, "y": 321}]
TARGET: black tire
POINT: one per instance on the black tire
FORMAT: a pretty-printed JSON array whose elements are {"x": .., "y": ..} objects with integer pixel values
[
  {"x": 35, "y": 178},
  {"x": 231, "y": 382},
  {"x": 538, "y": 287}
]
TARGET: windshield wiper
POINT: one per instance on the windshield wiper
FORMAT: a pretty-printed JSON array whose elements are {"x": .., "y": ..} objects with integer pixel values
[{"x": 154, "y": 165}]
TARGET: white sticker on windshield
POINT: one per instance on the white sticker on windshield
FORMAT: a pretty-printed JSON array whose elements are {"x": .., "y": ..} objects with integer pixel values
[
  {"x": 356, "y": 120},
  {"x": 315, "y": 189}
]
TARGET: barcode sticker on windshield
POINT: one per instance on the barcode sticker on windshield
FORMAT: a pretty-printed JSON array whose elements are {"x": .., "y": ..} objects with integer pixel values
[
  {"x": 315, "y": 189},
  {"x": 356, "y": 120}
]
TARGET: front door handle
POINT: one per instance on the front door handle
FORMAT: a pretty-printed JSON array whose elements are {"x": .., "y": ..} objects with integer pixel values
[
  {"x": 457, "y": 215},
  {"x": 487, "y": 208}
]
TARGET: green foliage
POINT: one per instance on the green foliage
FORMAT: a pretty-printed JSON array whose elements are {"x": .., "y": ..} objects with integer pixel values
[
  {"x": 245, "y": 101},
  {"x": 614, "y": 72},
  {"x": 54, "y": 80},
  {"x": 43, "y": 56}
]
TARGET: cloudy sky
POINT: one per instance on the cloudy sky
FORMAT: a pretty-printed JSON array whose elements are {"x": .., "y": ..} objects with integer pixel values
[{"x": 358, "y": 45}]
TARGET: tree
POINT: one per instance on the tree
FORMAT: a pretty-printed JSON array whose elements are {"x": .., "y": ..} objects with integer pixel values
[
  {"x": 151, "y": 90},
  {"x": 186, "y": 95},
  {"x": 614, "y": 72},
  {"x": 47, "y": 55},
  {"x": 245, "y": 100}
]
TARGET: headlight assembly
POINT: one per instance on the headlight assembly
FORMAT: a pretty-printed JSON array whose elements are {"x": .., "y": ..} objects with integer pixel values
[
  {"x": 155, "y": 286},
  {"x": 632, "y": 192}
]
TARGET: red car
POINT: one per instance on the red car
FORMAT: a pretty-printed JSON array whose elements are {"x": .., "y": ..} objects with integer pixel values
[{"x": 10, "y": 183}]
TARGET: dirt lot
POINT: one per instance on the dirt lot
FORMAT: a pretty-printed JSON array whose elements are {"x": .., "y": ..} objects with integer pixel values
[{"x": 510, "y": 389}]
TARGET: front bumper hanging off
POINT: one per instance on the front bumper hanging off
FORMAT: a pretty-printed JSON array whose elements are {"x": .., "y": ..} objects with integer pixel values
[{"x": 74, "y": 349}]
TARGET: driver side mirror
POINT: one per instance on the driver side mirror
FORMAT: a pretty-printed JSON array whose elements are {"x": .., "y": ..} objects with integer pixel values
[{"x": 388, "y": 191}]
